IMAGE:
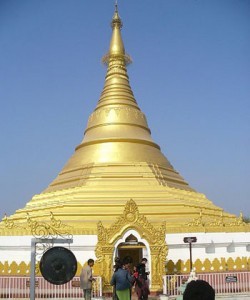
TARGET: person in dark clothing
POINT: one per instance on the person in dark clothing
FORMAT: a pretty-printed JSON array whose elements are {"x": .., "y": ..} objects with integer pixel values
[
  {"x": 118, "y": 264},
  {"x": 141, "y": 280},
  {"x": 198, "y": 290}
]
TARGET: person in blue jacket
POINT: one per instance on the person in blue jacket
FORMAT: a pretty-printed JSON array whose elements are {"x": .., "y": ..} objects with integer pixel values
[{"x": 122, "y": 280}]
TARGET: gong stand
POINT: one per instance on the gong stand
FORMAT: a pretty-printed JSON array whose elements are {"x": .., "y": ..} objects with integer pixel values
[{"x": 34, "y": 242}]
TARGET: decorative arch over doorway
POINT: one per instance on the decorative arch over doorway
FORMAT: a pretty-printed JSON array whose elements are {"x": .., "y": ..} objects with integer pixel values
[
  {"x": 131, "y": 219},
  {"x": 131, "y": 244}
]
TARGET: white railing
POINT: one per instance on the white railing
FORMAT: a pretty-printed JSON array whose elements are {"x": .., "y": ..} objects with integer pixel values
[
  {"x": 223, "y": 283},
  {"x": 19, "y": 287}
]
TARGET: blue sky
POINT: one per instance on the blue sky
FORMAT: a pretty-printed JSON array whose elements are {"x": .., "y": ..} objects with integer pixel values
[{"x": 190, "y": 76}]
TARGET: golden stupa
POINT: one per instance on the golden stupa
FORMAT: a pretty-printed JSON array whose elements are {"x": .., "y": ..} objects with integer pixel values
[
  {"x": 116, "y": 161},
  {"x": 118, "y": 178}
]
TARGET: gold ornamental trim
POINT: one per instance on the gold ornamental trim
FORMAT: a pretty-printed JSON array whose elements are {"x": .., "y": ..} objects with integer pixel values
[
  {"x": 53, "y": 228},
  {"x": 124, "y": 140},
  {"x": 131, "y": 219},
  {"x": 218, "y": 224}
]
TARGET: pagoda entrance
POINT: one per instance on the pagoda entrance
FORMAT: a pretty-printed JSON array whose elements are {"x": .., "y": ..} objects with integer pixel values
[
  {"x": 133, "y": 235},
  {"x": 133, "y": 248}
]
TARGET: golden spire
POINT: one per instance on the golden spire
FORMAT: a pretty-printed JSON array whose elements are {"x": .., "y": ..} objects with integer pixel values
[
  {"x": 117, "y": 132},
  {"x": 116, "y": 44},
  {"x": 116, "y": 49}
]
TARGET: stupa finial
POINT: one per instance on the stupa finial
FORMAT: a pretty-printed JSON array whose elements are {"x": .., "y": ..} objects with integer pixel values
[
  {"x": 116, "y": 20},
  {"x": 116, "y": 48}
]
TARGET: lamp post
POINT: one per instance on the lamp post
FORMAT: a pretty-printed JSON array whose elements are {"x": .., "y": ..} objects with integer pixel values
[{"x": 190, "y": 240}]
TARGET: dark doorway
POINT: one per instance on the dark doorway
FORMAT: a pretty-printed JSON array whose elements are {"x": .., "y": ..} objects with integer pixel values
[
  {"x": 134, "y": 253},
  {"x": 131, "y": 248}
]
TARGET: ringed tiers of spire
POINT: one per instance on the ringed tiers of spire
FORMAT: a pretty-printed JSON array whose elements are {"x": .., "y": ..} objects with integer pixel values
[
  {"x": 117, "y": 133},
  {"x": 116, "y": 161}
]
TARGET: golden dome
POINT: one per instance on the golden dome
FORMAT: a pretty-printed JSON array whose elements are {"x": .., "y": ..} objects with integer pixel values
[{"x": 116, "y": 161}]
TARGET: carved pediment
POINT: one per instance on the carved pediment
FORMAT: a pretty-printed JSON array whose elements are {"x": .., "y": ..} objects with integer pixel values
[{"x": 131, "y": 219}]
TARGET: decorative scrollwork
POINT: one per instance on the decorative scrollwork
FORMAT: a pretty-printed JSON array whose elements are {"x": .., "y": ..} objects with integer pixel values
[
  {"x": 54, "y": 229},
  {"x": 8, "y": 223},
  {"x": 46, "y": 233},
  {"x": 216, "y": 223},
  {"x": 197, "y": 221},
  {"x": 238, "y": 221},
  {"x": 220, "y": 223}
]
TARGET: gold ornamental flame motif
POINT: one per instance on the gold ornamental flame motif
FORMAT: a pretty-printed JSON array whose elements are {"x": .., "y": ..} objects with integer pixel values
[{"x": 131, "y": 211}]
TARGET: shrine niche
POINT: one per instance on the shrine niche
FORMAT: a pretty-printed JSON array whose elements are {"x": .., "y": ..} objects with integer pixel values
[{"x": 131, "y": 219}]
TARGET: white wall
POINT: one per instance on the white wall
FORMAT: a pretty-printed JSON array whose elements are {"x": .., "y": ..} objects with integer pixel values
[{"x": 209, "y": 245}]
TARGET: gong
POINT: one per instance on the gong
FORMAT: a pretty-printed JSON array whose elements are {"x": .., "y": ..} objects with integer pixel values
[{"x": 58, "y": 265}]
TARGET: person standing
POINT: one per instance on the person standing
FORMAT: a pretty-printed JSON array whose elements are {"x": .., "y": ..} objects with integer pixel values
[
  {"x": 141, "y": 280},
  {"x": 86, "y": 279},
  {"x": 116, "y": 267},
  {"x": 122, "y": 280}
]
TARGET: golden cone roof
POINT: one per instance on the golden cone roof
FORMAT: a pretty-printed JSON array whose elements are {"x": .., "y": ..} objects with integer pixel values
[
  {"x": 116, "y": 161},
  {"x": 117, "y": 142}
]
